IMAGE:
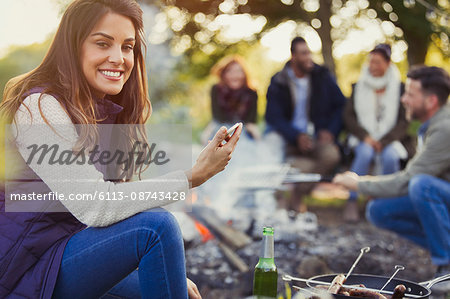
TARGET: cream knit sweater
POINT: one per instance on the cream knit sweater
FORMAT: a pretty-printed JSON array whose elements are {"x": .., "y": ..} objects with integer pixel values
[{"x": 76, "y": 179}]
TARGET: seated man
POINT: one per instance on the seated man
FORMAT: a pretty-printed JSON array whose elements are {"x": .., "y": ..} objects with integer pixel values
[
  {"x": 304, "y": 112},
  {"x": 415, "y": 202}
]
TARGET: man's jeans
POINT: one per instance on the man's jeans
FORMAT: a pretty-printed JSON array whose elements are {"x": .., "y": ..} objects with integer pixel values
[
  {"x": 100, "y": 260},
  {"x": 365, "y": 154},
  {"x": 423, "y": 216}
]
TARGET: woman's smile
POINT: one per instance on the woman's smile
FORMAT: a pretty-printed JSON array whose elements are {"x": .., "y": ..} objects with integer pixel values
[
  {"x": 114, "y": 75},
  {"x": 107, "y": 56}
]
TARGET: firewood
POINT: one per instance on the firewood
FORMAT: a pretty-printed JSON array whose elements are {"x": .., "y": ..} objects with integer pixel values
[
  {"x": 231, "y": 236},
  {"x": 233, "y": 258}
]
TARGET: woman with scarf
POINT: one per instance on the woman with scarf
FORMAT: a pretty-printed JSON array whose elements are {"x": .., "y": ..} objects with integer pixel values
[
  {"x": 106, "y": 246},
  {"x": 376, "y": 120}
]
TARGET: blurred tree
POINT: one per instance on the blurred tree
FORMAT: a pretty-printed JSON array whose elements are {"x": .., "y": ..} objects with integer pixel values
[
  {"x": 421, "y": 25},
  {"x": 195, "y": 28},
  {"x": 192, "y": 20},
  {"x": 21, "y": 59}
]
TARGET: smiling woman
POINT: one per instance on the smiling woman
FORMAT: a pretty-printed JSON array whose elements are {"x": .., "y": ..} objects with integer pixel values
[{"x": 94, "y": 74}]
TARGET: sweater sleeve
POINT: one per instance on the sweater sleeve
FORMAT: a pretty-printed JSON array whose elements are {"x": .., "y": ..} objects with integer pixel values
[
  {"x": 338, "y": 101},
  {"x": 66, "y": 179},
  {"x": 252, "y": 113},
  {"x": 399, "y": 131},
  {"x": 351, "y": 121},
  {"x": 433, "y": 159},
  {"x": 217, "y": 114}
]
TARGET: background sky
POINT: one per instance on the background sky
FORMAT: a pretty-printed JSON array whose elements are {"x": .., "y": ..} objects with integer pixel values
[{"x": 26, "y": 21}]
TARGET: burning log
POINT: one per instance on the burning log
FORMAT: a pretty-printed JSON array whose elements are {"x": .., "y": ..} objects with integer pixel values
[
  {"x": 204, "y": 231},
  {"x": 232, "y": 237},
  {"x": 227, "y": 235}
]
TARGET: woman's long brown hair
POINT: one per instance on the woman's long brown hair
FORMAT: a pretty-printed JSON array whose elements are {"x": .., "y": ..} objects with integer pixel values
[{"x": 60, "y": 73}]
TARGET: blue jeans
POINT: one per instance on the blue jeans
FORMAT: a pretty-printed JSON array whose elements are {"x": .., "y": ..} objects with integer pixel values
[
  {"x": 423, "y": 216},
  {"x": 365, "y": 154},
  {"x": 103, "y": 260}
]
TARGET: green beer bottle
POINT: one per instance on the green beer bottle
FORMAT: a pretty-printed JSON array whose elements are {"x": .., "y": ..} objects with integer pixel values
[{"x": 266, "y": 274}]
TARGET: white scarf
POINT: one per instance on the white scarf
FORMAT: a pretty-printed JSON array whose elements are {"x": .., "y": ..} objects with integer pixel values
[{"x": 366, "y": 101}]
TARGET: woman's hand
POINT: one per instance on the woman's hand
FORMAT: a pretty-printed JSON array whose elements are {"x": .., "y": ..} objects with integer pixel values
[
  {"x": 193, "y": 292},
  {"x": 373, "y": 143},
  {"x": 214, "y": 157}
]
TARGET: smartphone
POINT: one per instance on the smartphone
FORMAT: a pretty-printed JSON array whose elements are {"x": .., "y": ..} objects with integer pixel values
[{"x": 231, "y": 130}]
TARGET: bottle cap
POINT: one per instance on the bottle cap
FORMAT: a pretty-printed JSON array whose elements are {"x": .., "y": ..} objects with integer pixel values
[{"x": 267, "y": 230}]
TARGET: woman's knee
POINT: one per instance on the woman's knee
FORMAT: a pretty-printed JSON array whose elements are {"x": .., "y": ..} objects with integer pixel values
[
  {"x": 364, "y": 152},
  {"x": 159, "y": 222},
  {"x": 390, "y": 156}
]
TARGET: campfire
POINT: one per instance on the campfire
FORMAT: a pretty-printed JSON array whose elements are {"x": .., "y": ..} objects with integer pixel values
[
  {"x": 222, "y": 249},
  {"x": 222, "y": 237}
]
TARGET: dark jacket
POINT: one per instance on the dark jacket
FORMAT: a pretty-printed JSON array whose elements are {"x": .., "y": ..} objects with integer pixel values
[
  {"x": 32, "y": 243},
  {"x": 326, "y": 103},
  {"x": 230, "y": 106},
  {"x": 398, "y": 132}
]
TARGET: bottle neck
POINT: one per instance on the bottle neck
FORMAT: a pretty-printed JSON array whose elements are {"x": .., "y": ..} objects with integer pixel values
[{"x": 268, "y": 247}]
